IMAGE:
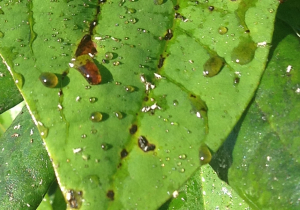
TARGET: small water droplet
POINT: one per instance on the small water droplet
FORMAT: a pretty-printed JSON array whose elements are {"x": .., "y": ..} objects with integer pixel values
[
  {"x": 129, "y": 88},
  {"x": 48, "y": 79},
  {"x": 204, "y": 155},
  {"x": 175, "y": 102},
  {"x": 88, "y": 87},
  {"x": 96, "y": 117},
  {"x": 1, "y": 34},
  {"x": 244, "y": 52},
  {"x": 92, "y": 99},
  {"x": 183, "y": 156},
  {"x": 116, "y": 63},
  {"x": 211, "y": 8},
  {"x": 19, "y": 79},
  {"x": 109, "y": 55},
  {"x": 104, "y": 146},
  {"x": 222, "y": 30},
  {"x": 213, "y": 66},
  {"x": 93, "y": 131},
  {"x": 118, "y": 115},
  {"x": 43, "y": 130},
  {"x": 83, "y": 136}
]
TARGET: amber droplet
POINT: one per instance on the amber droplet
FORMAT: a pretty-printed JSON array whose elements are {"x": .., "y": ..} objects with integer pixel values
[
  {"x": 48, "y": 79},
  {"x": 86, "y": 66},
  {"x": 86, "y": 46},
  {"x": 96, "y": 117},
  {"x": 204, "y": 155}
]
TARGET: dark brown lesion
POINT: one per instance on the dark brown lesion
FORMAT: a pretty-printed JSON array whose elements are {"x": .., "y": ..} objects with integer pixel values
[{"x": 86, "y": 46}]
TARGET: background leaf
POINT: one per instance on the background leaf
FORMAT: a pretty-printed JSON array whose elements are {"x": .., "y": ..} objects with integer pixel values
[
  {"x": 25, "y": 169},
  {"x": 104, "y": 163},
  {"x": 265, "y": 165}
]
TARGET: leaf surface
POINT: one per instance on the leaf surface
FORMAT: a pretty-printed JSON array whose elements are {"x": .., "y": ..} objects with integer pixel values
[{"x": 149, "y": 121}]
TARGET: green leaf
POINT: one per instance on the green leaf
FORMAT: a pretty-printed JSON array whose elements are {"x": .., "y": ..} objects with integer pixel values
[
  {"x": 9, "y": 93},
  {"x": 265, "y": 169},
  {"x": 107, "y": 163},
  {"x": 25, "y": 169},
  {"x": 204, "y": 190}
]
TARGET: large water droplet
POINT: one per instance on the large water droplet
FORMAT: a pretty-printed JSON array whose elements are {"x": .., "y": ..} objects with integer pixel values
[
  {"x": 19, "y": 79},
  {"x": 96, "y": 117},
  {"x": 213, "y": 66},
  {"x": 204, "y": 155},
  {"x": 48, "y": 79},
  {"x": 109, "y": 55},
  {"x": 92, "y": 99},
  {"x": 222, "y": 30},
  {"x": 244, "y": 52}
]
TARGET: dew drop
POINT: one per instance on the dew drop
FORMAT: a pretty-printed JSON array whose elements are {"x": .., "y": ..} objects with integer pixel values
[
  {"x": 175, "y": 102},
  {"x": 104, "y": 146},
  {"x": 43, "y": 130},
  {"x": 182, "y": 170},
  {"x": 119, "y": 115},
  {"x": 222, "y": 30},
  {"x": 83, "y": 136},
  {"x": 93, "y": 131},
  {"x": 211, "y": 8},
  {"x": 204, "y": 155},
  {"x": 213, "y": 66},
  {"x": 96, "y": 117},
  {"x": 92, "y": 99},
  {"x": 1, "y": 34},
  {"x": 131, "y": 11},
  {"x": 48, "y": 79},
  {"x": 244, "y": 52},
  {"x": 19, "y": 79},
  {"x": 109, "y": 55},
  {"x": 183, "y": 156},
  {"x": 129, "y": 88}
]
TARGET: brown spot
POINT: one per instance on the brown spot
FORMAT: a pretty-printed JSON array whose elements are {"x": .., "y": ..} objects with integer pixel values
[
  {"x": 110, "y": 194},
  {"x": 161, "y": 61},
  {"x": 124, "y": 153},
  {"x": 145, "y": 145},
  {"x": 192, "y": 96},
  {"x": 169, "y": 34},
  {"x": 176, "y": 7},
  {"x": 133, "y": 129},
  {"x": 211, "y": 8}
]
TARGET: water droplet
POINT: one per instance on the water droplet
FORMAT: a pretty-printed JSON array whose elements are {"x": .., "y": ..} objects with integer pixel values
[
  {"x": 183, "y": 156},
  {"x": 244, "y": 52},
  {"x": 83, "y": 136},
  {"x": 131, "y": 11},
  {"x": 93, "y": 131},
  {"x": 124, "y": 153},
  {"x": 88, "y": 87},
  {"x": 211, "y": 8},
  {"x": 85, "y": 157},
  {"x": 116, "y": 63},
  {"x": 105, "y": 146},
  {"x": 48, "y": 79},
  {"x": 182, "y": 170},
  {"x": 133, "y": 129},
  {"x": 204, "y": 155},
  {"x": 96, "y": 117},
  {"x": 1, "y": 12},
  {"x": 158, "y": 2},
  {"x": 118, "y": 115},
  {"x": 175, "y": 102},
  {"x": 74, "y": 198},
  {"x": 145, "y": 145},
  {"x": 213, "y": 66},
  {"x": 19, "y": 79},
  {"x": 1, "y": 34},
  {"x": 110, "y": 194},
  {"x": 43, "y": 130},
  {"x": 129, "y": 88},
  {"x": 109, "y": 55},
  {"x": 93, "y": 99},
  {"x": 222, "y": 30}
]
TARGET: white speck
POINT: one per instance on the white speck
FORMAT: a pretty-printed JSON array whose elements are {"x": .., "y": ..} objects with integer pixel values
[
  {"x": 1, "y": 74},
  {"x": 15, "y": 135},
  {"x": 91, "y": 55},
  {"x": 31, "y": 132},
  {"x": 198, "y": 114},
  {"x": 41, "y": 182},
  {"x": 17, "y": 127},
  {"x": 59, "y": 106},
  {"x": 78, "y": 98},
  {"x": 77, "y": 150},
  {"x": 205, "y": 73},
  {"x": 28, "y": 204},
  {"x": 40, "y": 123},
  {"x": 204, "y": 193},
  {"x": 237, "y": 60},
  {"x": 157, "y": 76},
  {"x": 268, "y": 158},
  {"x": 288, "y": 69},
  {"x": 99, "y": 38},
  {"x": 203, "y": 180},
  {"x": 175, "y": 194},
  {"x": 71, "y": 65},
  {"x": 298, "y": 90},
  {"x": 69, "y": 196},
  {"x": 261, "y": 44},
  {"x": 191, "y": 61},
  {"x": 142, "y": 77}
]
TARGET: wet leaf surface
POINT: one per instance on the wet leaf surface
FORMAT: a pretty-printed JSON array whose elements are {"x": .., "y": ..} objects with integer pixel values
[
  {"x": 150, "y": 57},
  {"x": 24, "y": 165},
  {"x": 9, "y": 93}
]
